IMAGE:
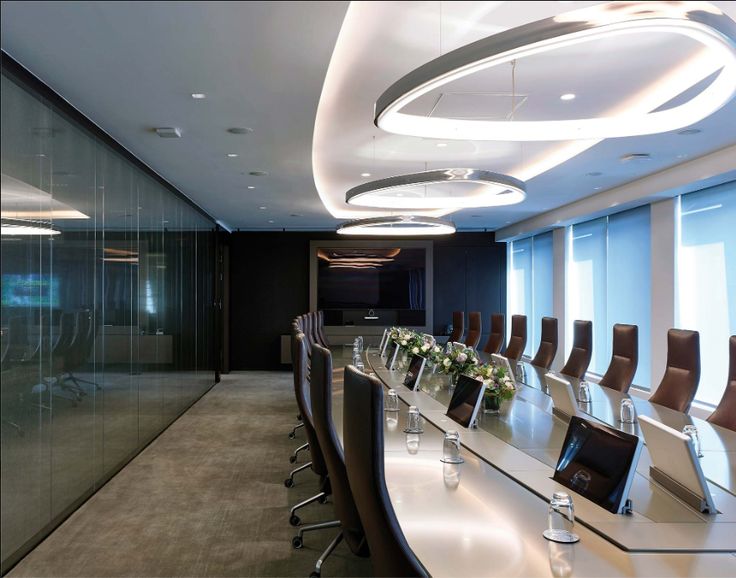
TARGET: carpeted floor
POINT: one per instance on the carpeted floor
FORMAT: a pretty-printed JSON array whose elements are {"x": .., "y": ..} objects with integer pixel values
[{"x": 205, "y": 499}]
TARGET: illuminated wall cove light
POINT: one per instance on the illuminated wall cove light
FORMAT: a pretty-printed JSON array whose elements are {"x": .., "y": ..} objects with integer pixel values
[
  {"x": 397, "y": 226},
  {"x": 439, "y": 189},
  {"x": 699, "y": 21}
]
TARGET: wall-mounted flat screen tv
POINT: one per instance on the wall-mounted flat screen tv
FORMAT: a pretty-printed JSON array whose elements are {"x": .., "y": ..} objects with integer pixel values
[
  {"x": 371, "y": 278},
  {"x": 30, "y": 291}
]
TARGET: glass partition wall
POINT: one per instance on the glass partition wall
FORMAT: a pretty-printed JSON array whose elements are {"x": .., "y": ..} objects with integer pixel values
[{"x": 107, "y": 316}]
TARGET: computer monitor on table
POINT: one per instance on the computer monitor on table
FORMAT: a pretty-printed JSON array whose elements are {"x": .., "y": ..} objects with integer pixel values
[
  {"x": 565, "y": 405},
  {"x": 414, "y": 373},
  {"x": 466, "y": 400}
]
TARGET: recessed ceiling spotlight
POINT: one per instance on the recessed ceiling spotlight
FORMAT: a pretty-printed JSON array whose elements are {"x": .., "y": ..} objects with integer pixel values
[
  {"x": 399, "y": 226},
  {"x": 262, "y": 208},
  {"x": 199, "y": 95},
  {"x": 251, "y": 187},
  {"x": 240, "y": 130},
  {"x": 270, "y": 221},
  {"x": 709, "y": 28},
  {"x": 636, "y": 157},
  {"x": 441, "y": 145},
  {"x": 596, "y": 188},
  {"x": 365, "y": 174},
  {"x": 567, "y": 96},
  {"x": 594, "y": 174},
  {"x": 168, "y": 132},
  {"x": 475, "y": 216},
  {"x": 295, "y": 215},
  {"x": 689, "y": 131},
  {"x": 232, "y": 155},
  {"x": 258, "y": 173}
]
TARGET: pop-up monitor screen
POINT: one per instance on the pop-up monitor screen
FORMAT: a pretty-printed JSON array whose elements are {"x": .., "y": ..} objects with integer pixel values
[
  {"x": 598, "y": 462},
  {"x": 391, "y": 355},
  {"x": 466, "y": 400},
  {"x": 414, "y": 374}
]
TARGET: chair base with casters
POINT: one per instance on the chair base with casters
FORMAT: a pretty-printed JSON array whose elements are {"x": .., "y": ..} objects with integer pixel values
[
  {"x": 289, "y": 482},
  {"x": 321, "y": 560},
  {"x": 295, "y": 520},
  {"x": 297, "y": 542},
  {"x": 292, "y": 433},
  {"x": 293, "y": 457}
]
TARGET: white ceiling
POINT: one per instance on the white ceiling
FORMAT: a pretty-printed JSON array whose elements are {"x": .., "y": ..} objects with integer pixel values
[{"x": 133, "y": 66}]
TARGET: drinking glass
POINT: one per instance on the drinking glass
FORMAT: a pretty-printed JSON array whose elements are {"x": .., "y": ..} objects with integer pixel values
[
  {"x": 451, "y": 475},
  {"x": 627, "y": 413},
  {"x": 359, "y": 342},
  {"x": 392, "y": 401},
  {"x": 692, "y": 432},
  {"x": 520, "y": 372},
  {"x": 561, "y": 519},
  {"x": 412, "y": 420},
  {"x": 451, "y": 448},
  {"x": 359, "y": 365},
  {"x": 584, "y": 392},
  {"x": 413, "y": 441}
]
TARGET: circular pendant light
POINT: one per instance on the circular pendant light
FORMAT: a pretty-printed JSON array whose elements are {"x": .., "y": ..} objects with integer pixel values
[
  {"x": 439, "y": 189},
  {"x": 699, "y": 21},
  {"x": 397, "y": 226}
]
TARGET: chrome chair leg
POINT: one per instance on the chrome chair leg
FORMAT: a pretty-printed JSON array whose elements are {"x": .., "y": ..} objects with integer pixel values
[
  {"x": 292, "y": 457},
  {"x": 292, "y": 433},
  {"x": 294, "y": 520},
  {"x": 298, "y": 540},
  {"x": 289, "y": 482},
  {"x": 318, "y": 566}
]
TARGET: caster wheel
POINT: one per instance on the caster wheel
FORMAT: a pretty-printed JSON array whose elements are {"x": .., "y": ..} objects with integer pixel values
[
  {"x": 322, "y": 500},
  {"x": 292, "y": 435},
  {"x": 315, "y": 575},
  {"x": 288, "y": 482},
  {"x": 295, "y": 520},
  {"x": 297, "y": 543},
  {"x": 292, "y": 459}
]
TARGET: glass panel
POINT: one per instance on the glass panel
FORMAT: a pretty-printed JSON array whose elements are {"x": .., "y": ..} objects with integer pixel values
[
  {"x": 520, "y": 284},
  {"x": 542, "y": 292},
  {"x": 706, "y": 280}
]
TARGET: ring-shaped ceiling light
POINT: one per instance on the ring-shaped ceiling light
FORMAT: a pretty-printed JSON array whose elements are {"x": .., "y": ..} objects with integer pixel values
[
  {"x": 397, "y": 226},
  {"x": 700, "y": 21},
  {"x": 439, "y": 189}
]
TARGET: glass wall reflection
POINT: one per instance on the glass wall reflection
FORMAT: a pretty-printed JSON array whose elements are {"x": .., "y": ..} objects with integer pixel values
[{"x": 107, "y": 318}]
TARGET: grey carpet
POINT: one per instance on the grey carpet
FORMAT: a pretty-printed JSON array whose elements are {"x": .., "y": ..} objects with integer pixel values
[{"x": 204, "y": 499}]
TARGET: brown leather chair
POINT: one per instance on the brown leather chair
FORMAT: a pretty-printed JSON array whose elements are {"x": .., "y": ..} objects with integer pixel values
[
  {"x": 351, "y": 529},
  {"x": 474, "y": 329},
  {"x": 547, "y": 343},
  {"x": 497, "y": 336},
  {"x": 458, "y": 326},
  {"x": 725, "y": 414},
  {"x": 321, "y": 329},
  {"x": 517, "y": 341},
  {"x": 682, "y": 375},
  {"x": 364, "y": 454},
  {"x": 582, "y": 350},
  {"x": 624, "y": 358}
]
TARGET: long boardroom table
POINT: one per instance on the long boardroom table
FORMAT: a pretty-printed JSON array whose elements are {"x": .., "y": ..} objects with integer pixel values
[{"x": 485, "y": 517}]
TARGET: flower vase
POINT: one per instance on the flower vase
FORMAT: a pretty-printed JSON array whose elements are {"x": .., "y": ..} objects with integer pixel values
[
  {"x": 491, "y": 404},
  {"x": 454, "y": 377}
]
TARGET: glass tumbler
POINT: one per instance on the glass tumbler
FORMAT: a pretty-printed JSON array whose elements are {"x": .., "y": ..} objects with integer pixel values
[
  {"x": 584, "y": 392},
  {"x": 692, "y": 432},
  {"x": 392, "y": 401},
  {"x": 561, "y": 519},
  {"x": 627, "y": 412},
  {"x": 412, "y": 421},
  {"x": 451, "y": 448},
  {"x": 359, "y": 365}
]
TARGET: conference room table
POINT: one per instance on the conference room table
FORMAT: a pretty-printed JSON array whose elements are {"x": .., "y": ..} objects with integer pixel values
[{"x": 485, "y": 517}]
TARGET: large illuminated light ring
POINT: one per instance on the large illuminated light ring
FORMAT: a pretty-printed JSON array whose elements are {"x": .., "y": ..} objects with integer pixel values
[
  {"x": 391, "y": 193},
  {"x": 707, "y": 25},
  {"x": 397, "y": 226}
]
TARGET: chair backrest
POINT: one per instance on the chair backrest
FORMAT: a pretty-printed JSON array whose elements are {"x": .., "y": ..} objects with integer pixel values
[
  {"x": 517, "y": 341},
  {"x": 342, "y": 497},
  {"x": 624, "y": 358},
  {"x": 547, "y": 343},
  {"x": 682, "y": 375},
  {"x": 321, "y": 329},
  {"x": 364, "y": 455},
  {"x": 458, "y": 326},
  {"x": 315, "y": 328},
  {"x": 497, "y": 336},
  {"x": 301, "y": 390},
  {"x": 475, "y": 329},
  {"x": 725, "y": 414},
  {"x": 307, "y": 330},
  {"x": 582, "y": 350}
]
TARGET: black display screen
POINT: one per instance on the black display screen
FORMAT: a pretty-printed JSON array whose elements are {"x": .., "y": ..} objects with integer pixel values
[
  {"x": 415, "y": 368},
  {"x": 465, "y": 400},
  {"x": 598, "y": 462},
  {"x": 393, "y": 346},
  {"x": 371, "y": 278}
]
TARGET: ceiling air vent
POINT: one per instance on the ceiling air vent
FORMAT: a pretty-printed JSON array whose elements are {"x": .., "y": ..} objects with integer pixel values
[
  {"x": 168, "y": 132},
  {"x": 636, "y": 157}
]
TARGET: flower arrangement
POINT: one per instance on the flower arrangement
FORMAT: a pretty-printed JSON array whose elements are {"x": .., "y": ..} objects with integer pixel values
[
  {"x": 458, "y": 361},
  {"x": 498, "y": 383}
]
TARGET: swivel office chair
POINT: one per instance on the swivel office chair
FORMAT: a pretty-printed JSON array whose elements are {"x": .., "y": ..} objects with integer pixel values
[
  {"x": 321, "y": 329},
  {"x": 475, "y": 329},
  {"x": 582, "y": 350},
  {"x": 314, "y": 318},
  {"x": 725, "y": 414},
  {"x": 624, "y": 358},
  {"x": 364, "y": 454},
  {"x": 517, "y": 341},
  {"x": 351, "y": 529},
  {"x": 458, "y": 326},
  {"x": 496, "y": 337},
  {"x": 547, "y": 344},
  {"x": 682, "y": 375}
]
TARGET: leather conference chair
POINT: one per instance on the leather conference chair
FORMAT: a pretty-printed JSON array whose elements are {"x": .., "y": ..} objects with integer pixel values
[
  {"x": 547, "y": 344},
  {"x": 682, "y": 375},
  {"x": 517, "y": 341},
  {"x": 725, "y": 414},
  {"x": 582, "y": 350},
  {"x": 351, "y": 529},
  {"x": 364, "y": 454},
  {"x": 316, "y": 340},
  {"x": 497, "y": 335},
  {"x": 475, "y": 329},
  {"x": 321, "y": 330},
  {"x": 458, "y": 327},
  {"x": 624, "y": 358}
]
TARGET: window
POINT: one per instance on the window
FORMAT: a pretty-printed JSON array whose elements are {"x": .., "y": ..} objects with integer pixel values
[
  {"x": 706, "y": 280},
  {"x": 530, "y": 284},
  {"x": 608, "y": 282}
]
